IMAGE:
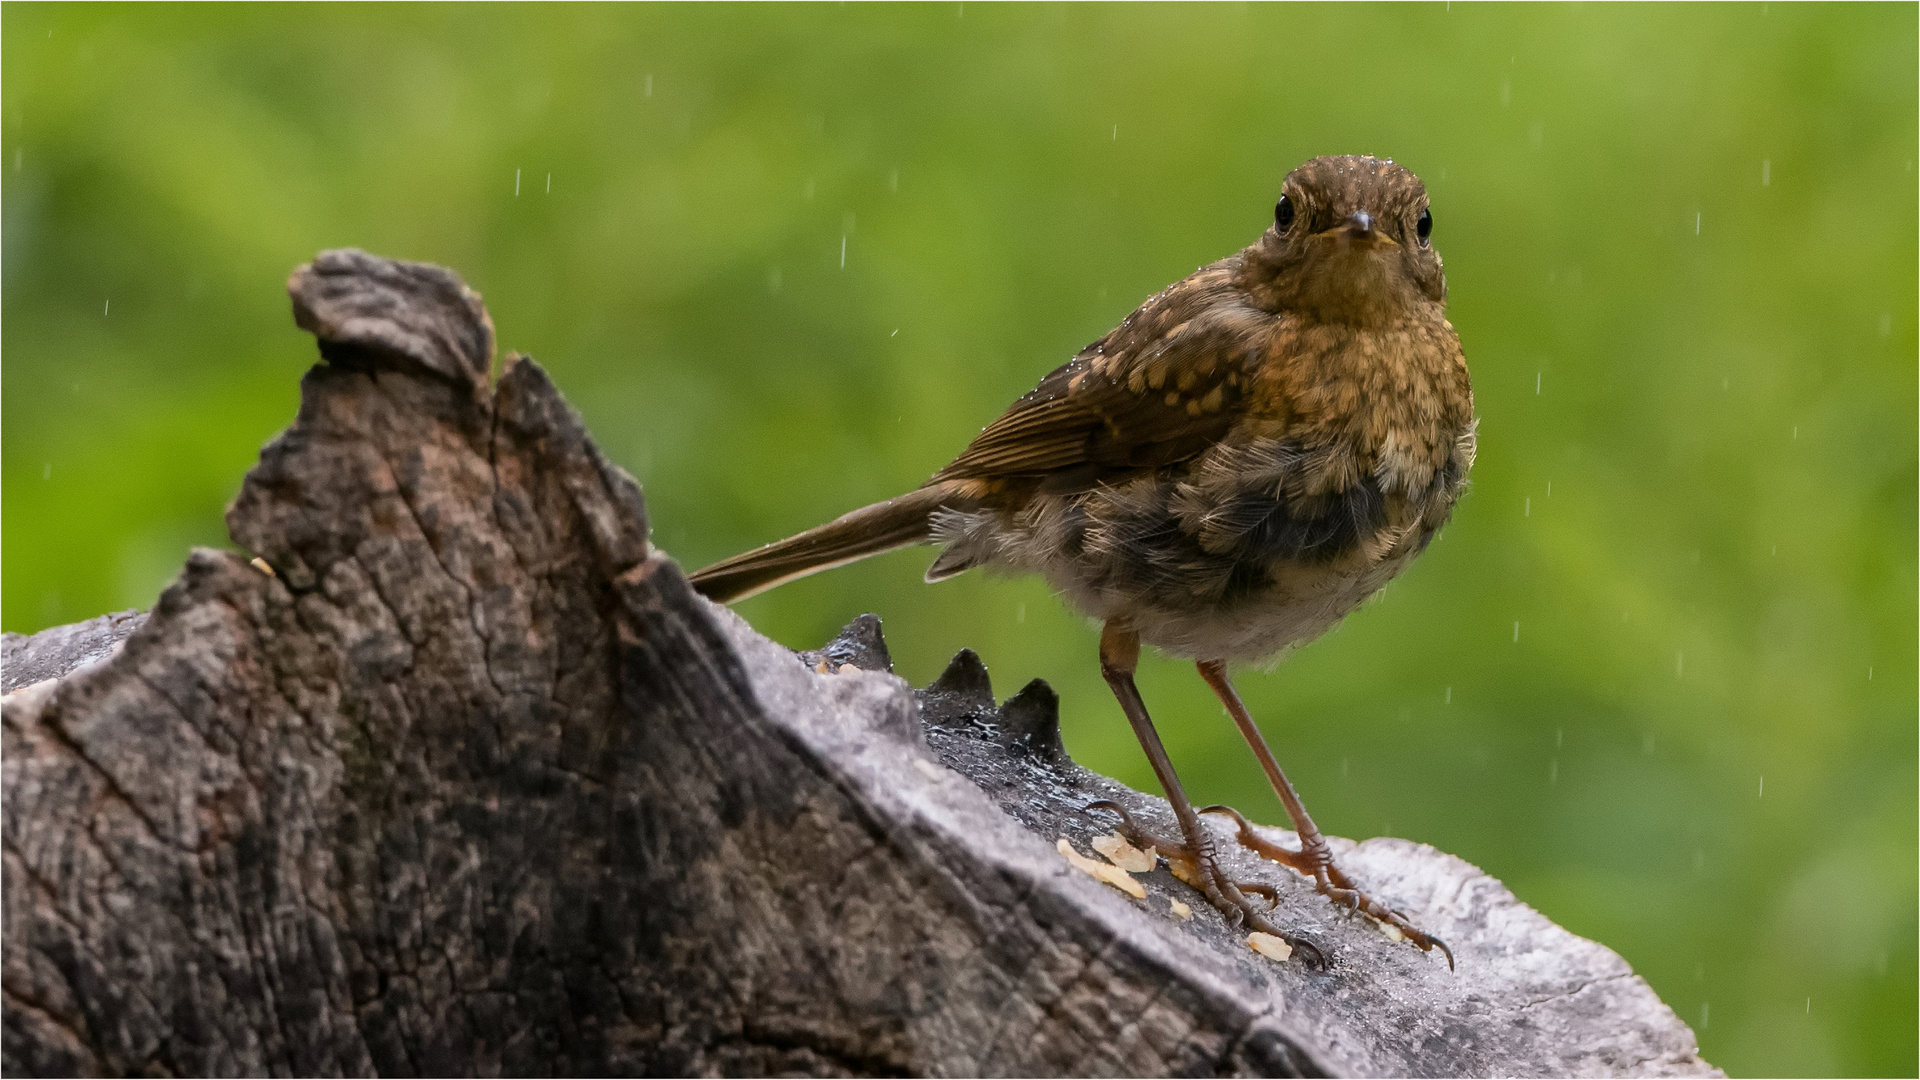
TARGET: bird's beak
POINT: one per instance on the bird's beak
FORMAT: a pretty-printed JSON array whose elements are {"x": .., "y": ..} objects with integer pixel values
[{"x": 1359, "y": 228}]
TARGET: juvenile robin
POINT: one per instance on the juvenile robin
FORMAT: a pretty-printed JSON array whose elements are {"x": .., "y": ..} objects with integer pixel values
[{"x": 1224, "y": 476}]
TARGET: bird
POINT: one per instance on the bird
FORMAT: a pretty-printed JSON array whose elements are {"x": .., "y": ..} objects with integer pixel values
[{"x": 1244, "y": 460}]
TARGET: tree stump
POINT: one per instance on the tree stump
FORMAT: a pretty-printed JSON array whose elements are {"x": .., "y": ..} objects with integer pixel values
[{"x": 460, "y": 777}]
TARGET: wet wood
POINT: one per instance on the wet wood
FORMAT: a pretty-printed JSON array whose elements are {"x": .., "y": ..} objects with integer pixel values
[{"x": 471, "y": 782}]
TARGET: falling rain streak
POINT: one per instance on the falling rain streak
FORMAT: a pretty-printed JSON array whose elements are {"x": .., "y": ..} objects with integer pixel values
[
  {"x": 1766, "y": 172},
  {"x": 1516, "y": 632},
  {"x": 516, "y": 183}
]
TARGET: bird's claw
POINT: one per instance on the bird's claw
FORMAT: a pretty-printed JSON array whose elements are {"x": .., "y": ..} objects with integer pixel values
[
  {"x": 1203, "y": 872},
  {"x": 1330, "y": 881}
]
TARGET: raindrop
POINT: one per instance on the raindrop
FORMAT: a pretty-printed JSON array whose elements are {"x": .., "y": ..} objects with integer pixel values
[
  {"x": 549, "y": 183},
  {"x": 516, "y": 183},
  {"x": 1020, "y": 613},
  {"x": 649, "y": 90},
  {"x": 1809, "y": 1006},
  {"x": 1869, "y": 672},
  {"x": 1703, "y": 1016},
  {"x": 106, "y": 308},
  {"x": 1766, "y": 172},
  {"x": 1796, "y": 431},
  {"x": 1696, "y": 223},
  {"x": 1549, "y": 489},
  {"x": 1528, "y": 512},
  {"x": 893, "y": 180},
  {"x": 843, "y": 251},
  {"x": 1516, "y": 632},
  {"x": 1449, "y": 689},
  {"x": 1725, "y": 382},
  {"x": 1559, "y": 737},
  {"x": 1116, "y": 133},
  {"x": 1762, "y": 793},
  {"x": 896, "y": 333},
  {"x": 773, "y": 280},
  {"x": 1536, "y": 382}
]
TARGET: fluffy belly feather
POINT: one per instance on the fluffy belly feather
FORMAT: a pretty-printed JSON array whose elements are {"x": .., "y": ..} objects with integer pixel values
[{"x": 1223, "y": 561}]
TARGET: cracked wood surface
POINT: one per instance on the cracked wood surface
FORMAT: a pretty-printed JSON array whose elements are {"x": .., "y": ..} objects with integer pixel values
[{"x": 474, "y": 783}]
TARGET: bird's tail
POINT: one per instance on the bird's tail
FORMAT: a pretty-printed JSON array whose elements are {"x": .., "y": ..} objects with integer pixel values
[{"x": 869, "y": 530}]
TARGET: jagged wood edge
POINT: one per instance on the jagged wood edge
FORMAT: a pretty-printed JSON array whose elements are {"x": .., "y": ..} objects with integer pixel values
[{"x": 997, "y": 935}]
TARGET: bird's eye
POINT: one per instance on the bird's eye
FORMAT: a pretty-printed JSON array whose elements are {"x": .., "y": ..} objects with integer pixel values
[
  {"x": 1283, "y": 214},
  {"x": 1424, "y": 227}
]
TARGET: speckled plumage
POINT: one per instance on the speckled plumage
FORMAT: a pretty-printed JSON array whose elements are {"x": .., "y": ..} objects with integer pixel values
[{"x": 1239, "y": 464}]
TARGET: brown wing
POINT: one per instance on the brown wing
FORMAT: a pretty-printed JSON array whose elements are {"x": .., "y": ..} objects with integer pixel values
[{"x": 1162, "y": 388}]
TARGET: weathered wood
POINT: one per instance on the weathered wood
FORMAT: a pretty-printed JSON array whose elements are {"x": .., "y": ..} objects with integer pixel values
[{"x": 474, "y": 783}]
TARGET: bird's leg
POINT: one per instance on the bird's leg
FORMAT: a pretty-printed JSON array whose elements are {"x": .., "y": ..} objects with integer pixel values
[
  {"x": 1315, "y": 858},
  {"x": 1119, "y": 655}
]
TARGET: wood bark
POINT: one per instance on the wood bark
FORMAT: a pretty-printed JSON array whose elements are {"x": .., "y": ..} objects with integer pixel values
[{"x": 471, "y": 782}]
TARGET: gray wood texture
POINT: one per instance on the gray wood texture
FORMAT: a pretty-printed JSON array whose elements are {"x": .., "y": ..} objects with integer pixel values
[{"x": 473, "y": 783}]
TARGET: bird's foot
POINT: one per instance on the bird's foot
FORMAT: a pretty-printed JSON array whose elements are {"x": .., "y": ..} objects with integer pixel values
[
  {"x": 1315, "y": 862},
  {"x": 1198, "y": 866}
]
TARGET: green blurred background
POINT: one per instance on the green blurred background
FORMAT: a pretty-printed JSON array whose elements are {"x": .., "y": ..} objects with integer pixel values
[{"x": 1658, "y": 676}]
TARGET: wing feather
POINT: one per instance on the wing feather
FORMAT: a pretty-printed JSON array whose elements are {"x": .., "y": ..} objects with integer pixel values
[{"x": 1162, "y": 388}]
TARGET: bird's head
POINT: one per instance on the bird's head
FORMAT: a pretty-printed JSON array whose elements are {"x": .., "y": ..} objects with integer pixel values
[{"x": 1350, "y": 243}]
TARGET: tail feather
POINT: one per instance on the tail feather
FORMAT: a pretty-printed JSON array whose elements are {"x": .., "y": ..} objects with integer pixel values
[{"x": 869, "y": 530}]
